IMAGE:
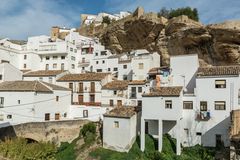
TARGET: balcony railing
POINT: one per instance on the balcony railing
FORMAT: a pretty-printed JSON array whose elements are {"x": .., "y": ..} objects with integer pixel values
[
  {"x": 203, "y": 116},
  {"x": 87, "y": 103}
]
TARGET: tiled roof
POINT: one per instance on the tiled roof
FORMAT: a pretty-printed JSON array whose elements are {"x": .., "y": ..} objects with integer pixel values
[
  {"x": 122, "y": 112},
  {"x": 56, "y": 87},
  {"x": 137, "y": 82},
  {"x": 43, "y": 73},
  {"x": 218, "y": 71},
  {"x": 84, "y": 77},
  {"x": 164, "y": 91},
  {"x": 24, "y": 86},
  {"x": 156, "y": 70},
  {"x": 29, "y": 86},
  {"x": 119, "y": 85}
]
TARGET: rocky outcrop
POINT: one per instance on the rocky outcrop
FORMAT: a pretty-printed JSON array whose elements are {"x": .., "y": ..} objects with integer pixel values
[{"x": 216, "y": 44}]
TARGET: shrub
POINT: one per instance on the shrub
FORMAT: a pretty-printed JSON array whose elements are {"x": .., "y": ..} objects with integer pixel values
[
  {"x": 88, "y": 128},
  {"x": 106, "y": 20}
]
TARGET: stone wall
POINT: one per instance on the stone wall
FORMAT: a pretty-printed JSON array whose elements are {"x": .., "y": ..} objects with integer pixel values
[{"x": 56, "y": 132}]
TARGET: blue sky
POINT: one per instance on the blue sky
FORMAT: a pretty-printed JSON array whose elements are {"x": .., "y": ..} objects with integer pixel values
[{"x": 23, "y": 18}]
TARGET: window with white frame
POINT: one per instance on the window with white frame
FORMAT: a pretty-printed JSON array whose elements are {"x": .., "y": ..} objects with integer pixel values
[
  {"x": 55, "y": 57},
  {"x": 220, "y": 105},
  {"x": 9, "y": 116},
  {"x": 220, "y": 83},
  {"x": 168, "y": 104},
  {"x": 203, "y": 106},
  {"x": 85, "y": 113},
  {"x": 54, "y": 65},
  {"x": 187, "y": 104}
]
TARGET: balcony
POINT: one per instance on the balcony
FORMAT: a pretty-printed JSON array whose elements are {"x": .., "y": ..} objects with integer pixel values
[
  {"x": 203, "y": 116},
  {"x": 83, "y": 63},
  {"x": 87, "y": 103}
]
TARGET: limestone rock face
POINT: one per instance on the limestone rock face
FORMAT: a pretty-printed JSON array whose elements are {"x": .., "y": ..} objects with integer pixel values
[{"x": 216, "y": 44}]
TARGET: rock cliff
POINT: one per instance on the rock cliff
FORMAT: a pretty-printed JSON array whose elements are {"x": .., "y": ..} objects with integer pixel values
[{"x": 216, "y": 44}]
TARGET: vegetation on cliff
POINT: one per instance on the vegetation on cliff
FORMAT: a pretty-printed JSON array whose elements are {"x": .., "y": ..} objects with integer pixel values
[{"x": 187, "y": 11}]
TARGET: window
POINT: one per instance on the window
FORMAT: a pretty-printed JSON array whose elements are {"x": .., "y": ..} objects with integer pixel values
[
  {"x": 80, "y": 87},
  {"x": 73, "y": 58},
  {"x": 139, "y": 89},
  {"x": 83, "y": 68},
  {"x": 111, "y": 103},
  {"x": 62, "y": 57},
  {"x": 71, "y": 49},
  {"x": 9, "y": 116},
  {"x": 73, "y": 41},
  {"x": 119, "y": 103},
  {"x": 99, "y": 70},
  {"x": 25, "y": 56},
  {"x": 140, "y": 65},
  {"x": 57, "y": 98},
  {"x": 96, "y": 54},
  {"x": 198, "y": 133},
  {"x": 203, "y": 106},
  {"x": 47, "y": 58},
  {"x": 1, "y": 101},
  {"x": 96, "y": 62},
  {"x": 92, "y": 98},
  {"x": 168, "y": 104},
  {"x": 47, "y": 116},
  {"x": 24, "y": 65},
  {"x": 109, "y": 69},
  {"x": 220, "y": 105},
  {"x": 116, "y": 124},
  {"x": 85, "y": 113},
  {"x": 0, "y": 77},
  {"x": 19, "y": 102},
  {"x": 103, "y": 62},
  {"x": 50, "y": 79},
  {"x": 57, "y": 116},
  {"x": 187, "y": 105},
  {"x": 73, "y": 66},
  {"x": 70, "y": 86},
  {"x": 55, "y": 57},
  {"x": 115, "y": 69},
  {"x": 47, "y": 67},
  {"x": 92, "y": 87},
  {"x": 62, "y": 66},
  {"x": 65, "y": 115},
  {"x": 139, "y": 103},
  {"x": 115, "y": 92},
  {"x": 220, "y": 83},
  {"x": 54, "y": 65},
  {"x": 125, "y": 66},
  {"x": 1, "y": 117},
  {"x": 125, "y": 77},
  {"x": 75, "y": 50}
]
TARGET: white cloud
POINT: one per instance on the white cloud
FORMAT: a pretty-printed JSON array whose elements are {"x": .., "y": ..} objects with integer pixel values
[{"x": 36, "y": 17}]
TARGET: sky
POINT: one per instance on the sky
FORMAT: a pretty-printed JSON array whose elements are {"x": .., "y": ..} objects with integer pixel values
[{"x": 23, "y": 18}]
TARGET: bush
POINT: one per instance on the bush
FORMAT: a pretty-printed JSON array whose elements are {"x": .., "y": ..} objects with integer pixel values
[
  {"x": 88, "y": 128},
  {"x": 106, "y": 20},
  {"x": 191, "y": 13},
  {"x": 66, "y": 151}
]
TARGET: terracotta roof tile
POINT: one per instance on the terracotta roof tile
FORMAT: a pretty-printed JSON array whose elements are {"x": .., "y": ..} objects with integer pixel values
[
  {"x": 84, "y": 77},
  {"x": 137, "y": 82},
  {"x": 218, "y": 71},
  {"x": 56, "y": 87},
  {"x": 122, "y": 112},
  {"x": 164, "y": 91},
  {"x": 119, "y": 85},
  {"x": 24, "y": 86},
  {"x": 43, "y": 73}
]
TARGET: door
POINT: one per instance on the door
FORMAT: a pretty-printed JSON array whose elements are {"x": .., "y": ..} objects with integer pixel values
[
  {"x": 80, "y": 99},
  {"x": 92, "y": 98},
  {"x": 92, "y": 87},
  {"x": 133, "y": 92},
  {"x": 71, "y": 86},
  {"x": 81, "y": 87},
  {"x": 219, "y": 142}
]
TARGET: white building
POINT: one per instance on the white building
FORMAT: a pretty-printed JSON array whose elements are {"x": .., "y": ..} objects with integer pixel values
[
  {"x": 142, "y": 62},
  {"x": 86, "y": 94},
  {"x": 49, "y": 76},
  {"x": 32, "y": 101},
  {"x": 120, "y": 128},
  {"x": 199, "y": 114},
  {"x": 115, "y": 94}
]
